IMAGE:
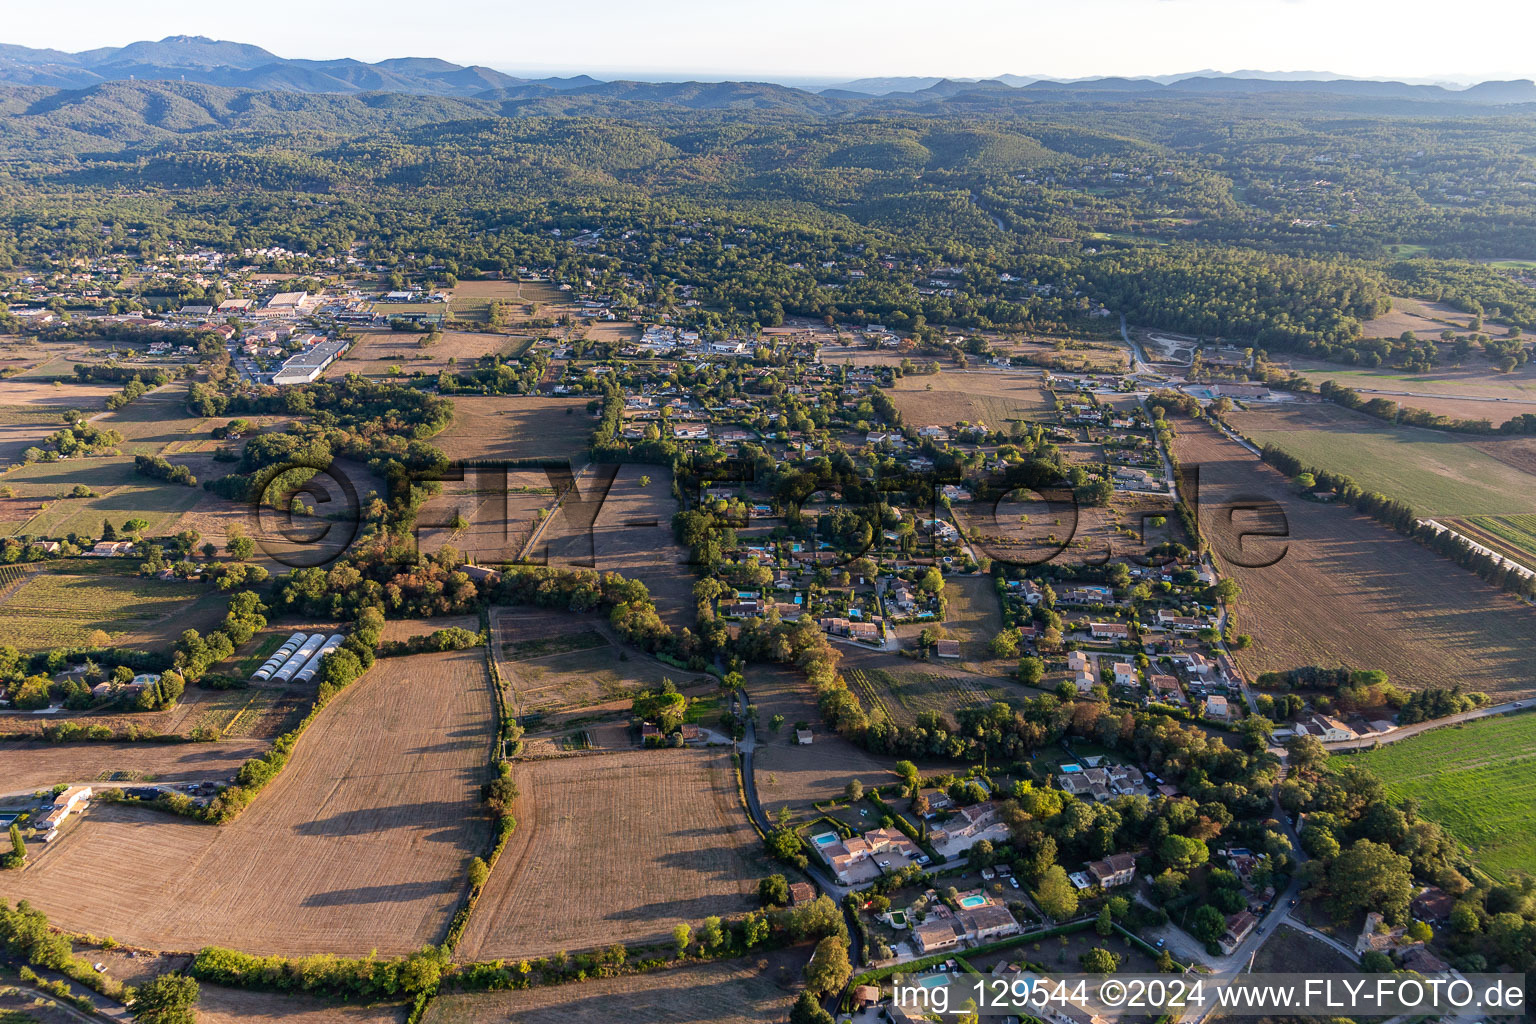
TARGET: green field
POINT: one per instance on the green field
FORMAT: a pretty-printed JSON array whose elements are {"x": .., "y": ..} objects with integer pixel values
[
  {"x": 54, "y": 610},
  {"x": 122, "y": 494},
  {"x": 1437, "y": 473},
  {"x": 1477, "y": 780},
  {"x": 1516, "y": 531}
]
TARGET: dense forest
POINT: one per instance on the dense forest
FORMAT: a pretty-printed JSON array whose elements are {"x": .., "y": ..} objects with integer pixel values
[{"x": 1281, "y": 220}]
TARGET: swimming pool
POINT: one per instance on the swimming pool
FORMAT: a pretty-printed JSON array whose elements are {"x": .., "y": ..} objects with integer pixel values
[
  {"x": 825, "y": 839},
  {"x": 971, "y": 902},
  {"x": 1068, "y": 769}
]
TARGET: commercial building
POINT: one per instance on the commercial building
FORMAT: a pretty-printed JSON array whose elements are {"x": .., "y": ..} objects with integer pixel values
[{"x": 309, "y": 364}]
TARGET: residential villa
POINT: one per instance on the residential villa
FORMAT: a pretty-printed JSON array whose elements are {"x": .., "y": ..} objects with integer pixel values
[
  {"x": 967, "y": 827},
  {"x": 1116, "y": 869}
]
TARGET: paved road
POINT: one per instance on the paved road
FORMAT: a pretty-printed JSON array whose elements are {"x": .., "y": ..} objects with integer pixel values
[
  {"x": 747, "y": 748},
  {"x": 1295, "y": 922},
  {"x": 1402, "y": 732}
]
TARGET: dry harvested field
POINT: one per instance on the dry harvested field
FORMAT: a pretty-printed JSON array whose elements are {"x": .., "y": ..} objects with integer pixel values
[
  {"x": 158, "y": 423},
  {"x": 1468, "y": 408},
  {"x": 361, "y": 843},
  {"x": 787, "y": 773},
  {"x": 516, "y": 427},
  {"x": 570, "y": 671},
  {"x": 554, "y": 661},
  {"x": 404, "y": 629},
  {"x": 1028, "y": 528},
  {"x": 1070, "y": 354},
  {"x": 986, "y": 397},
  {"x": 218, "y": 1005},
  {"x": 28, "y": 393},
  {"x": 750, "y": 990},
  {"x": 613, "y": 523},
  {"x": 376, "y": 352},
  {"x": 1424, "y": 318},
  {"x": 1472, "y": 379},
  {"x": 1348, "y": 591},
  {"x": 973, "y": 614},
  {"x": 500, "y": 507},
  {"x": 32, "y": 765},
  {"x": 616, "y": 848},
  {"x": 472, "y": 300},
  {"x": 1519, "y": 452}
]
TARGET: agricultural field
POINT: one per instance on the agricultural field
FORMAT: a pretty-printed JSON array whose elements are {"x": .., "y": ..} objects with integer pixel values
[
  {"x": 795, "y": 776},
  {"x": 1511, "y": 536},
  {"x": 555, "y": 661},
  {"x": 616, "y": 848},
  {"x": 747, "y": 990},
  {"x": 972, "y": 614},
  {"x": 378, "y": 353},
  {"x": 23, "y": 428},
  {"x": 983, "y": 397},
  {"x": 500, "y": 508},
  {"x": 361, "y": 843},
  {"x": 1069, "y": 354},
  {"x": 159, "y": 424},
  {"x": 31, "y": 391},
  {"x": 901, "y": 694},
  {"x": 1438, "y": 473},
  {"x": 471, "y": 300},
  {"x": 1473, "y": 379},
  {"x": 620, "y": 520},
  {"x": 55, "y": 609},
  {"x": 121, "y": 494},
  {"x": 1368, "y": 597},
  {"x": 219, "y": 1005},
  {"x": 31, "y": 765},
  {"x": 405, "y": 629},
  {"x": 1478, "y": 780},
  {"x": 516, "y": 427}
]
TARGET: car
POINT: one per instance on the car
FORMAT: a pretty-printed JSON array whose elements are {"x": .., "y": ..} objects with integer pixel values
[
  {"x": 1013, "y": 882},
  {"x": 99, "y": 968},
  {"x": 1293, "y": 903},
  {"x": 1161, "y": 943}
]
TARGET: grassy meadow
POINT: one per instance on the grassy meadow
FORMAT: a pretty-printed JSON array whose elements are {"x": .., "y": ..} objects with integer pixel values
[{"x": 1477, "y": 780}]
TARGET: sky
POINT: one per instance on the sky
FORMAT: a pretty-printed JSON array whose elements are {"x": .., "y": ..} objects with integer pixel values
[{"x": 806, "y": 41}]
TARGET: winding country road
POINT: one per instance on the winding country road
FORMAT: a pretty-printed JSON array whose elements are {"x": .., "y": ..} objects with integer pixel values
[{"x": 1402, "y": 732}]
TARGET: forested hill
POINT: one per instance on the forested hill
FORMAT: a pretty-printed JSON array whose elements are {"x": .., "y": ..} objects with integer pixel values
[
  {"x": 240, "y": 65},
  {"x": 1287, "y": 219}
]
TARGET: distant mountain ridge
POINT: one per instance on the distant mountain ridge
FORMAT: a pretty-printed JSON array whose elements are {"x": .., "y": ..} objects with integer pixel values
[{"x": 244, "y": 66}]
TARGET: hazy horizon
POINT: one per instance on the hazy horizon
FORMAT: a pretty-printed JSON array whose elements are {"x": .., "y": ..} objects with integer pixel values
[{"x": 804, "y": 43}]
